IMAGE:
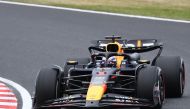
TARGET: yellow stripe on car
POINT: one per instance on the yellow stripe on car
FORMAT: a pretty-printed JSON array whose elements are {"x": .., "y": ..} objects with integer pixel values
[
  {"x": 95, "y": 92},
  {"x": 139, "y": 43}
]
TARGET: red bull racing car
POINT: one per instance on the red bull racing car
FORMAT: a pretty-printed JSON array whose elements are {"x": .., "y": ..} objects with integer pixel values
[{"x": 115, "y": 75}]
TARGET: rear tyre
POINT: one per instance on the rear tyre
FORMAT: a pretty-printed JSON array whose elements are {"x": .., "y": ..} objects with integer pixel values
[
  {"x": 173, "y": 69},
  {"x": 46, "y": 86},
  {"x": 150, "y": 85}
]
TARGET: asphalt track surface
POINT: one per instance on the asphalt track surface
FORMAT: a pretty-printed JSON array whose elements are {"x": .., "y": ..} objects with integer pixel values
[{"x": 32, "y": 38}]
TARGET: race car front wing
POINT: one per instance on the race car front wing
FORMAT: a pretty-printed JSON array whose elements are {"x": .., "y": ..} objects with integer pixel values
[{"x": 108, "y": 100}]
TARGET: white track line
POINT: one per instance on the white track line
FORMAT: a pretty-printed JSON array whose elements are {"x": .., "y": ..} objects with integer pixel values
[
  {"x": 95, "y": 12},
  {"x": 8, "y": 98},
  {"x": 4, "y": 88},
  {"x": 6, "y": 93},
  {"x": 8, "y": 104},
  {"x": 26, "y": 98},
  {"x": 1, "y": 84}
]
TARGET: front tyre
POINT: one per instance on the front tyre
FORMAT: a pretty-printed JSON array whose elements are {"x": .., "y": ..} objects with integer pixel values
[
  {"x": 46, "y": 86},
  {"x": 150, "y": 85}
]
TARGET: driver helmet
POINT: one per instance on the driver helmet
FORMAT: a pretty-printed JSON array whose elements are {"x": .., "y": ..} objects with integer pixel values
[
  {"x": 112, "y": 61},
  {"x": 112, "y": 58}
]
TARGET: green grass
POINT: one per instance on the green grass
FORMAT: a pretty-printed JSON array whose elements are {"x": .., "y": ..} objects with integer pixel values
[{"x": 171, "y": 9}]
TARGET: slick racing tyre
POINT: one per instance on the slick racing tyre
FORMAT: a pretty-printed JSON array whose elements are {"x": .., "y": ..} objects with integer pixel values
[
  {"x": 46, "y": 86},
  {"x": 150, "y": 85},
  {"x": 173, "y": 70}
]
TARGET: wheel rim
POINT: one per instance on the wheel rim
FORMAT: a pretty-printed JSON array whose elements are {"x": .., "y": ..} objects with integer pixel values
[
  {"x": 159, "y": 91},
  {"x": 181, "y": 83},
  {"x": 162, "y": 89},
  {"x": 182, "y": 79}
]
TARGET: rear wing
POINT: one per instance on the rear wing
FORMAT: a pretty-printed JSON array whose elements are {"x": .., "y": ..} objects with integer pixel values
[
  {"x": 143, "y": 45},
  {"x": 104, "y": 42},
  {"x": 131, "y": 46}
]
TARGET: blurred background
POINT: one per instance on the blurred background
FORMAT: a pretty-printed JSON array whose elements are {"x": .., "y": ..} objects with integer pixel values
[{"x": 175, "y": 9}]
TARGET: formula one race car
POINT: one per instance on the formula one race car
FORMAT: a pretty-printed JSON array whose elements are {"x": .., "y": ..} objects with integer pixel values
[{"x": 115, "y": 75}]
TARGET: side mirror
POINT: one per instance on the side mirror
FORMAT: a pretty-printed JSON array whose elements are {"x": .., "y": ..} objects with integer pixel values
[
  {"x": 143, "y": 61},
  {"x": 71, "y": 62}
]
